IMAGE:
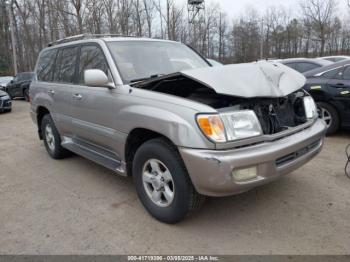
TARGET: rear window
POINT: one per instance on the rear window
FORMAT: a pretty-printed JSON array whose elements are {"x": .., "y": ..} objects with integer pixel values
[{"x": 46, "y": 66}]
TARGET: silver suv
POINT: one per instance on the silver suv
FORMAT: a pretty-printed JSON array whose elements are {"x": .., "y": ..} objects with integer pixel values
[{"x": 157, "y": 111}]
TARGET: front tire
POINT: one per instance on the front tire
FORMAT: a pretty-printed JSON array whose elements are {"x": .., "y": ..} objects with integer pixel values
[
  {"x": 330, "y": 115},
  {"x": 162, "y": 182},
  {"x": 52, "y": 139}
]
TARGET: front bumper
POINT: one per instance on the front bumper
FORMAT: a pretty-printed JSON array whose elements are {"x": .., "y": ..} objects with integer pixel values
[{"x": 211, "y": 170}]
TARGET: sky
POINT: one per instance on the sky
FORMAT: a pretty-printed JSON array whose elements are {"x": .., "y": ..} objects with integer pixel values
[{"x": 236, "y": 7}]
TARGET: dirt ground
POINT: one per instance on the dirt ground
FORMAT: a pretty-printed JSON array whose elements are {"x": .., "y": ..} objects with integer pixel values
[{"x": 74, "y": 206}]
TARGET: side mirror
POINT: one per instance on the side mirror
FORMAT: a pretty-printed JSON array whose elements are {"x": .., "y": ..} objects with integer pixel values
[
  {"x": 11, "y": 82},
  {"x": 96, "y": 77}
]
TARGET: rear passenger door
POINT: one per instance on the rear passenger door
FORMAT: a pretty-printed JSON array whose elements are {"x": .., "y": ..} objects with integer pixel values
[
  {"x": 94, "y": 108},
  {"x": 64, "y": 78}
]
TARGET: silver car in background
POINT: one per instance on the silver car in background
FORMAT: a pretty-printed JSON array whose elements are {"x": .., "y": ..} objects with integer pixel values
[{"x": 157, "y": 111}]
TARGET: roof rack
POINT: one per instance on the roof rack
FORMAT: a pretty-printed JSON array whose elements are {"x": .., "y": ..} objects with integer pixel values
[{"x": 84, "y": 36}]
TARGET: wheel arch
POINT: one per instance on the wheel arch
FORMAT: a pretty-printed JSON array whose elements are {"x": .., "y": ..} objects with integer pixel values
[{"x": 135, "y": 139}]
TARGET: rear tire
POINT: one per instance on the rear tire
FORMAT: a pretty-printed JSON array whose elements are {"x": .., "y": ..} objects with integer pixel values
[
  {"x": 162, "y": 182},
  {"x": 329, "y": 114},
  {"x": 52, "y": 139}
]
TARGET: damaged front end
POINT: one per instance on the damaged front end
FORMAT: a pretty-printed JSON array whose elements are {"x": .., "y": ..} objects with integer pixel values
[{"x": 272, "y": 91}]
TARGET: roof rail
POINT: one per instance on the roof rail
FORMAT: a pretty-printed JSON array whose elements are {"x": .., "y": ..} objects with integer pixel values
[{"x": 84, "y": 36}]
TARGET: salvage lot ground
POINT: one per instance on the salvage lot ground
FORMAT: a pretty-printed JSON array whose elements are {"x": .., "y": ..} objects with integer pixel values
[{"x": 74, "y": 206}]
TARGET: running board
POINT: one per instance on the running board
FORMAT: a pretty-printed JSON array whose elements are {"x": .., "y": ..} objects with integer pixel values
[{"x": 96, "y": 154}]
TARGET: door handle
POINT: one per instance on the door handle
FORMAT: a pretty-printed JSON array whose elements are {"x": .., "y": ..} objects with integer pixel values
[
  {"x": 77, "y": 96},
  {"x": 51, "y": 92}
]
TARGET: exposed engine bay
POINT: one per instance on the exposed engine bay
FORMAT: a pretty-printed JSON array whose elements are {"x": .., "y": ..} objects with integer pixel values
[{"x": 275, "y": 114}]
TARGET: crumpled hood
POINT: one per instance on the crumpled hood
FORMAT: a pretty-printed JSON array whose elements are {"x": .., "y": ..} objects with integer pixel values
[{"x": 259, "y": 79}]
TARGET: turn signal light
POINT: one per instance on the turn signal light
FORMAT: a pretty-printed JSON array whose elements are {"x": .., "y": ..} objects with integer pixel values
[{"x": 212, "y": 127}]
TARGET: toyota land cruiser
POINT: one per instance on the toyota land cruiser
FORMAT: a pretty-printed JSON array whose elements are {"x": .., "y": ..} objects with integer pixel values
[{"x": 157, "y": 111}]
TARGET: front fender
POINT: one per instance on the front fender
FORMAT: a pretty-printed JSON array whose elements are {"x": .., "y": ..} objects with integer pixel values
[{"x": 182, "y": 129}]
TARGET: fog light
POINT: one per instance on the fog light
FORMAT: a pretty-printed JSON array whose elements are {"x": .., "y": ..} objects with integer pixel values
[{"x": 245, "y": 174}]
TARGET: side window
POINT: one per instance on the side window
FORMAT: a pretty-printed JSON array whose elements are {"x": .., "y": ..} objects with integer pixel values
[
  {"x": 346, "y": 73},
  {"x": 46, "y": 66},
  {"x": 331, "y": 73},
  {"x": 291, "y": 65},
  {"x": 66, "y": 64},
  {"x": 91, "y": 57},
  {"x": 304, "y": 67}
]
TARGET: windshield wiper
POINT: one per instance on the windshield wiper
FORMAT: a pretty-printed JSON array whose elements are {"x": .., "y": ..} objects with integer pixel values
[{"x": 146, "y": 78}]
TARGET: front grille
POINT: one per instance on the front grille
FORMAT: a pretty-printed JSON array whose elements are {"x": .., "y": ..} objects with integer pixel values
[{"x": 291, "y": 157}]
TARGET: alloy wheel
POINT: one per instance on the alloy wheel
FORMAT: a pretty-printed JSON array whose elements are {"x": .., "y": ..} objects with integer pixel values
[
  {"x": 158, "y": 183},
  {"x": 325, "y": 115},
  {"x": 50, "y": 139}
]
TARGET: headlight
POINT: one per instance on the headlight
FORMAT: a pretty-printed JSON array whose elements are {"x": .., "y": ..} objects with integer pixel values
[
  {"x": 230, "y": 126},
  {"x": 241, "y": 124},
  {"x": 310, "y": 107}
]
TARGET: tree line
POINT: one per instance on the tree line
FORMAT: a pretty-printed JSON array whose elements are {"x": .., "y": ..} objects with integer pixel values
[{"x": 312, "y": 28}]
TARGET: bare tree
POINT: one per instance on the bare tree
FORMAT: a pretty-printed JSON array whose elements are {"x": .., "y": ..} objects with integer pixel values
[
  {"x": 320, "y": 13},
  {"x": 315, "y": 31}
]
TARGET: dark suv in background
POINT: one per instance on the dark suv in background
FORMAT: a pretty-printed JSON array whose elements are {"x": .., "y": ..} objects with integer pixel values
[{"x": 19, "y": 86}]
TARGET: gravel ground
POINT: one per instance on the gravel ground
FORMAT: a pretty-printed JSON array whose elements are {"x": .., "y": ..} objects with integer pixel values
[{"x": 74, "y": 206}]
